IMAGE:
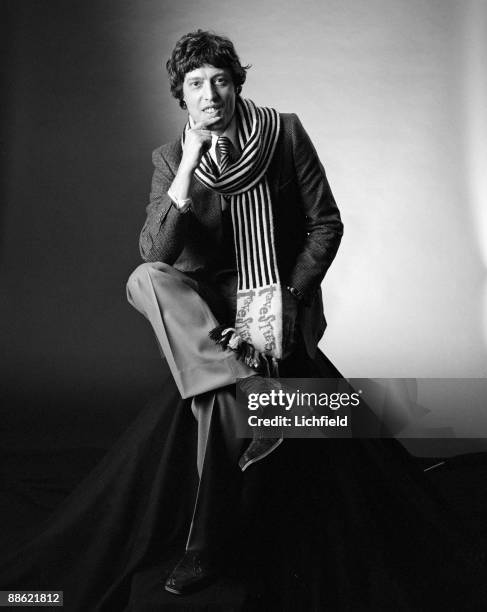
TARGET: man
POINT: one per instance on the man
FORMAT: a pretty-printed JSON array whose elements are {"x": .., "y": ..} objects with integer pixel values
[{"x": 240, "y": 230}]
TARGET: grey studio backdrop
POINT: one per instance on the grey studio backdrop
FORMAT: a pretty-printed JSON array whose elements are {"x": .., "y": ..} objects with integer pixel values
[{"x": 393, "y": 94}]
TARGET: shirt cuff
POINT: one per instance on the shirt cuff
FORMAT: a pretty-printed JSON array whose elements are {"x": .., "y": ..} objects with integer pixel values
[{"x": 182, "y": 206}]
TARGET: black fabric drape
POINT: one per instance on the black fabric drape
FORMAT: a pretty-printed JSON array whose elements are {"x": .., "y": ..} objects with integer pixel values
[{"x": 343, "y": 524}]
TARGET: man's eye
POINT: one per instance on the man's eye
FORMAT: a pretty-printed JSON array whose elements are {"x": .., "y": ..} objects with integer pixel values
[
  {"x": 195, "y": 83},
  {"x": 221, "y": 81}
]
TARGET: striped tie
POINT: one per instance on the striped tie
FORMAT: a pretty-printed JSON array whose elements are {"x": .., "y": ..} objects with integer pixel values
[{"x": 224, "y": 147}]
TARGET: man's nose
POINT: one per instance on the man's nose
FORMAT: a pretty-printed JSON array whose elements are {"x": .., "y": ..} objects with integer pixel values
[{"x": 209, "y": 91}]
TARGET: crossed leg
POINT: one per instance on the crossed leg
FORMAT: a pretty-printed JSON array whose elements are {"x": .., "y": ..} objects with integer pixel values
[{"x": 181, "y": 320}]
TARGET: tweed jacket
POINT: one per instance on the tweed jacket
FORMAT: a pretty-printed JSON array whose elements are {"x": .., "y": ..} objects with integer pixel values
[{"x": 307, "y": 223}]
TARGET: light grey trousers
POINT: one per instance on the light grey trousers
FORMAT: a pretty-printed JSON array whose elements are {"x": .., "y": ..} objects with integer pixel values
[{"x": 182, "y": 320}]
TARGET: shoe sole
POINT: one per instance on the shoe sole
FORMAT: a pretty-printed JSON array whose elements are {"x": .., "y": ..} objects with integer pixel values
[
  {"x": 199, "y": 586},
  {"x": 263, "y": 456}
]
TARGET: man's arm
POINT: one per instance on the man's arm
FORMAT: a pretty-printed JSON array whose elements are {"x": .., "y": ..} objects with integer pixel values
[
  {"x": 324, "y": 227},
  {"x": 162, "y": 237}
]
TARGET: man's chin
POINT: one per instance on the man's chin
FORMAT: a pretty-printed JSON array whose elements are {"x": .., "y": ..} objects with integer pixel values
[{"x": 218, "y": 126}]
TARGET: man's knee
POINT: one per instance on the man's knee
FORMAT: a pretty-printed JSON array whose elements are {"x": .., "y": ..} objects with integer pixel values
[
  {"x": 145, "y": 274},
  {"x": 159, "y": 276},
  {"x": 141, "y": 281},
  {"x": 144, "y": 271}
]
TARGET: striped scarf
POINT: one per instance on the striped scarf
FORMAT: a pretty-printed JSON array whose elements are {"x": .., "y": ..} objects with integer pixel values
[{"x": 257, "y": 333}]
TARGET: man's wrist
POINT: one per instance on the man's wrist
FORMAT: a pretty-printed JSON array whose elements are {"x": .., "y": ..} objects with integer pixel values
[{"x": 182, "y": 205}]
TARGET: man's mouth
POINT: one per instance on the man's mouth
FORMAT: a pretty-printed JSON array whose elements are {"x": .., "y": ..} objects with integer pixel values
[{"x": 212, "y": 110}]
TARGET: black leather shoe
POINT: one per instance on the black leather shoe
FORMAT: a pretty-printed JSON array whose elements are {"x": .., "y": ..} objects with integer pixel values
[
  {"x": 257, "y": 450},
  {"x": 193, "y": 572}
]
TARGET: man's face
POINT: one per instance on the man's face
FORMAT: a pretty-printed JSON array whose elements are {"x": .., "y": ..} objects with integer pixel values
[{"x": 209, "y": 92}]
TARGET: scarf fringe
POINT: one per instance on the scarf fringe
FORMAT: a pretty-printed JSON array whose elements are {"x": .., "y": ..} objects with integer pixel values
[{"x": 228, "y": 339}]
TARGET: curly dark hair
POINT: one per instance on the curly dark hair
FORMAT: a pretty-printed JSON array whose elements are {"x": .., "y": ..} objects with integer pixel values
[{"x": 195, "y": 49}]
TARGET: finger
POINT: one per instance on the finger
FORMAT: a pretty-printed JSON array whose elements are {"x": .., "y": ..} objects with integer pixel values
[
  {"x": 204, "y": 133},
  {"x": 201, "y": 125}
]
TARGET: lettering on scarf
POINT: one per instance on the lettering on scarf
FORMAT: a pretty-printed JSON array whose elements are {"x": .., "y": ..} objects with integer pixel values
[
  {"x": 243, "y": 320},
  {"x": 266, "y": 318}
]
